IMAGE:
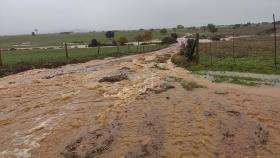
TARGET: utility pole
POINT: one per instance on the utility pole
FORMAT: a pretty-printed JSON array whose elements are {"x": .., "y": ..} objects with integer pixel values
[{"x": 275, "y": 42}]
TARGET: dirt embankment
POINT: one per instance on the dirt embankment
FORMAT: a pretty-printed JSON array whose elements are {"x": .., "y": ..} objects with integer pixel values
[{"x": 135, "y": 106}]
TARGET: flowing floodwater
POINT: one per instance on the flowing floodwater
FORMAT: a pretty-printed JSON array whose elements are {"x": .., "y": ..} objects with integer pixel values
[{"x": 132, "y": 107}]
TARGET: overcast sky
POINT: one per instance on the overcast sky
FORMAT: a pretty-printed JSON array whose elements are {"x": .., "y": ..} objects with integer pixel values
[{"x": 23, "y": 16}]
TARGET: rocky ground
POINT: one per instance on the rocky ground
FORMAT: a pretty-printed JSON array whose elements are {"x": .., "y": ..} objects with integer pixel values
[{"x": 135, "y": 106}]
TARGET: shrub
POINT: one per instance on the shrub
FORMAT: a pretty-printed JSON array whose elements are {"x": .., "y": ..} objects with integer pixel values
[
  {"x": 217, "y": 37},
  {"x": 110, "y": 34},
  {"x": 174, "y": 35},
  {"x": 180, "y": 27},
  {"x": 139, "y": 38},
  {"x": 147, "y": 36},
  {"x": 163, "y": 31},
  {"x": 123, "y": 40},
  {"x": 168, "y": 40},
  {"x": 93, "y": 43},
  {"x": 180, "y": 60},
  {"x": 187, "y": 50},
  {"x": 266, "y": 31},
  {"x": 212, "y": 28}
]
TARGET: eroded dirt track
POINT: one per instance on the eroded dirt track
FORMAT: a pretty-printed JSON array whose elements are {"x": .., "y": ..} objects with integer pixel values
[{"x": 132, "y": 107}]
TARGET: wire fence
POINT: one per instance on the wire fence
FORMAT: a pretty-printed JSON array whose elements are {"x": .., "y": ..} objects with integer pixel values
[
  {"x": 65, "y": 53},
  {"x": 248, "y": 51}
]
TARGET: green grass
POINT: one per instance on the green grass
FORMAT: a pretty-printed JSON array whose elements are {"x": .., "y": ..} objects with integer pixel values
[
  {"x": 248, "y": 81},
  {"x": 245, "y": 64},
  {"x": 18, "y": 61},
  {"x": 58, "y": 40},
  {"x": 253, "y": 54},
  {"x": 78, "y": 38}
]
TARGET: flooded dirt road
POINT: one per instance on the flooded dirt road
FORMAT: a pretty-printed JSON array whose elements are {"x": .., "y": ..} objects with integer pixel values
[{"x": 134, "y": 106}]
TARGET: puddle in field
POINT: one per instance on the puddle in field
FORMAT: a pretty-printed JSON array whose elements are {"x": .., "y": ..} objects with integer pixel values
[{"x": 259, "y": 78}]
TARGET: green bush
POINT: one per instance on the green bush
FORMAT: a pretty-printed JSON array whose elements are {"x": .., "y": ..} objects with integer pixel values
[
  {"x": 163, "y": 31},
  {"x": 168, "y": 40}
]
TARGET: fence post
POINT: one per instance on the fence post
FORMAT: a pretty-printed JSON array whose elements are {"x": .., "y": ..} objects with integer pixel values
[
  {"x": 98, "y": 50},
  {"x": 66, "y": 51},
  {"x": 1, "y": 63},
  {"x": 275, "y": 42},
  {"x": 210, "y": 49},
  {"x": 233, "y": 44},
  {"x": 197, "y": 48}
]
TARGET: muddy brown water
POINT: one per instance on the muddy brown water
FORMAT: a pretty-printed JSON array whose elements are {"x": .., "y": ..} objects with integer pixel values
[{"x": 68, "y": 113}]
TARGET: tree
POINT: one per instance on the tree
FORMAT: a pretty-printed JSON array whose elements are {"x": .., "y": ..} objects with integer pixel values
[
  {"x": 163, "y": 31},
  {"x": 174, "y": 35},
  {"x": 204, "y": 28},
  {"x": 33, "y": 33},
  {"x": 180, "y": 27},
  {"x": 212, "y": 28},
  {"x": 123, "y": 40},
  {"x": 93, "y": 43},
  {"x": 110, "y": 34},
  {"x": 139, "y": 38},
  {"x": 147, "y": 36}
]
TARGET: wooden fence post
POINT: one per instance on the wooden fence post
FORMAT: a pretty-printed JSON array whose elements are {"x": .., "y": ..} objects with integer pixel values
[
  {"x": 1, "y": 63},
  {"x": 211, "y": 50},
  {"x": 233, "y": 44},
  {"x": 197, "y": 48},
  {"x": 275, "y": 42},
  {"x": 98, "y": 50},
  {"x": 66, "y": 51}
]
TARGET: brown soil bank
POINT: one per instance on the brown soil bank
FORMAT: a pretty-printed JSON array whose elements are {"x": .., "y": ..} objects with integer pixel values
[{"x": 135, "y": 106}]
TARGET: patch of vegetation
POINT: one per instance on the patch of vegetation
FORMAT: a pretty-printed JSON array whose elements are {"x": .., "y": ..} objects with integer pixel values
[
  {"x": 248, "y": 81},
  {"x": 180, "y": 60},
  {"x": 252, "y": 54},
  {"x": 169, "y": 40}
]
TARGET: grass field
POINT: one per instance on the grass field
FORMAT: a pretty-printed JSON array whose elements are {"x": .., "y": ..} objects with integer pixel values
[
  {"x": 18, "y": 61},
  {"x": 77, "y": 38},
  {"x": 42, "y": 40},
  {"x": 252, "y": 54}
]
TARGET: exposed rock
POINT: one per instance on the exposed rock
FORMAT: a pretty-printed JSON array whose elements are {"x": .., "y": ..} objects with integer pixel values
[{"x": 116, "y": 78}]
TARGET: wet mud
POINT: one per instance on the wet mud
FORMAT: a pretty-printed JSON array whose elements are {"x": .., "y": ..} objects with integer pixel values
[{"x": 128, "y": 108}]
